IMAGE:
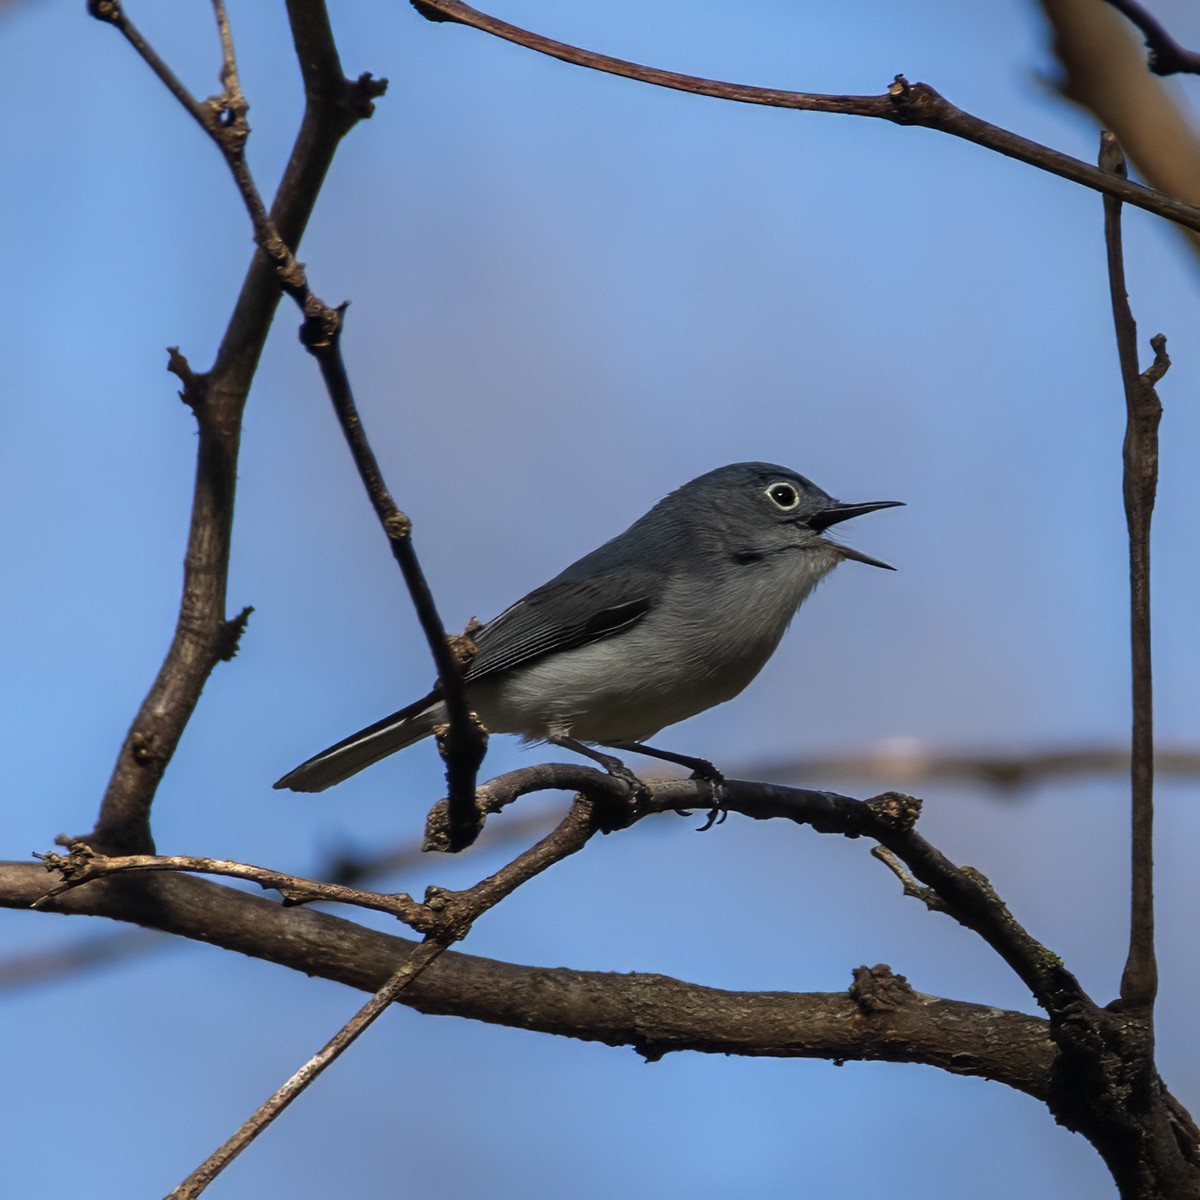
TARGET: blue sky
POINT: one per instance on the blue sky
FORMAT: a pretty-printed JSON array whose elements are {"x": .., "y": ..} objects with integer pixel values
[{"x": 571, "y": 293}]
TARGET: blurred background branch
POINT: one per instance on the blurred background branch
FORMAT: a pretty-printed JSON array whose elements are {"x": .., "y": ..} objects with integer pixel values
[
  {"x": 1104, "y": 72},
  {"x": 901, "y": 761},
  {"x": 893, "y": 761}
]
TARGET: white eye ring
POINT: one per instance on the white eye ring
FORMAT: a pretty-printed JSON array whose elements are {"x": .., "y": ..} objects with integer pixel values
[{"x": 783, "y": 495}]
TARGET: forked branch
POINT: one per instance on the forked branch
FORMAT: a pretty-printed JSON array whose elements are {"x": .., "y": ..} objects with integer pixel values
[
  {"x": 203, "y": 634},
  {"x": 903, "y": 103}
]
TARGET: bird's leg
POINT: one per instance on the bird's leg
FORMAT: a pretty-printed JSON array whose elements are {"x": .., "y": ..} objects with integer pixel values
[
  {"x": 614, "y": 766},
  {"x": 701, "y": 769}
]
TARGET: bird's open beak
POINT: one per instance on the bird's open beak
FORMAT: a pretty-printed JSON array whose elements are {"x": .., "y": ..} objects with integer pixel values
[{"x": 843, "y": 512}]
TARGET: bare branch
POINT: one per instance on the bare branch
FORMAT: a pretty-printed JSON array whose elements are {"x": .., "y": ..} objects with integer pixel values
[
  {"x": 1167, "y": 56},
  {"x": 1100, "y": 1045},
  {"x": 1104, "y": 72},
  {"x": 465, "y": 741},
  {"x": 224, "y": 119},
  {"x": 654, "y": 1014},
  {"x": 345, "y": 867},
  {"x": 231, "y": 104},
  {"x": 457, "y": 912},
  {"x": 903, "y": 104},
  {"x": 82, "y": 865},
  {"x": 211, "y": 1167},
  {"x": 218, "y": 397},
  {"x": 1139, "y": 982},
  {"x": 966, "y": 895},
  {"x": 111, "y": 13}
]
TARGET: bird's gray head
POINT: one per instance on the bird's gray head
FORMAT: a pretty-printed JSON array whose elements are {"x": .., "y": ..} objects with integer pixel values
[{"x": 753, "y": 511}]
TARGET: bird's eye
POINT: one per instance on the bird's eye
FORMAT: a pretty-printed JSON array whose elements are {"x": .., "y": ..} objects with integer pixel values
[{"x": 783, "y": 495}]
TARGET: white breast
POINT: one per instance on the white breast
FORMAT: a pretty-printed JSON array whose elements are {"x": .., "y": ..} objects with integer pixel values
[{"x": 700, "y": 646}]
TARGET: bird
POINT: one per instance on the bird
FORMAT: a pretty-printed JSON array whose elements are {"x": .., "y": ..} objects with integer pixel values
[{"x": 674, "y": 616}]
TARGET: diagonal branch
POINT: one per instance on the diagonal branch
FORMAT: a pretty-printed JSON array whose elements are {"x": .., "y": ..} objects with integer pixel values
[
  {"x": 1139, "y": 983},
  {"x": 459, "y": 911},
  {"x": 203, "y": 634},
  {"x": 224, "y": 119},
  {"x": 903, "y": 104},
  {"x": 465, "y": 741},
  {"x": 402, "y": 978}
]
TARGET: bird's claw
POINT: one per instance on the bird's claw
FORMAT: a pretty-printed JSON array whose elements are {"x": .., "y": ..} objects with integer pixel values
[{"x": 709, "y": 774}]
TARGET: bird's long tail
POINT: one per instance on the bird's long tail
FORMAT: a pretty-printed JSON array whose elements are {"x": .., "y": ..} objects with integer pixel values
[{"x": 367, "y": 746}]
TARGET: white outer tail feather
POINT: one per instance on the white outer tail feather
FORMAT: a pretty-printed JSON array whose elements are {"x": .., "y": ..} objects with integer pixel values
[{"x": 367, "y": 746}]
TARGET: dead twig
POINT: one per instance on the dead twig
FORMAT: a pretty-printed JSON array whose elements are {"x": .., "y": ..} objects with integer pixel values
[{"x": 82, "y": 865}]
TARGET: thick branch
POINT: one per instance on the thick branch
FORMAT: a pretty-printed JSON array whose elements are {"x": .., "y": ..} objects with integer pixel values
[
  {"x": 965, "y": 893},
  {"x": 1101, "y": 1058},
  {"x": 1105, "y": 1084},
  {"x": 651, "y": 1013},
  {"x": 903, "y": 104}
]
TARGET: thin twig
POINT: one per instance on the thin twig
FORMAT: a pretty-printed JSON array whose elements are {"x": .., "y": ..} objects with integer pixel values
[
  {"x": 465, "y": 741},
  {"x": 217, "y": 397},
  {"x": 229, "y": 69},
  {"x": 903, "y": 104},
  {"x": 1139, "y": 982},
  {"x": 112, "y": 13},
  {"x": 83, "y": 865},
  {"x": 223, "y": 118},
  {"x": 216, "y": 1162},
  {"x": 459, "y": 910},
  {"x": 1167, "y": 56}
]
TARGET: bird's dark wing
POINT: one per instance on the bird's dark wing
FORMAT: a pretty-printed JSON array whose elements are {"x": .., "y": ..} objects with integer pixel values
[{"x": 562, "y": 615}]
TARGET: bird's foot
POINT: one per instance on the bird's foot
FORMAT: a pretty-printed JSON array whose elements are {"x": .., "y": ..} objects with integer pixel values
[
  {"x": 705, "y": 772},
  {"x": 611, "y": 764}
]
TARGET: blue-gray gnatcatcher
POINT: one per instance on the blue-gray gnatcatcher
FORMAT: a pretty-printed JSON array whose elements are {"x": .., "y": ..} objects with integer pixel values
[{"x": 673, "y": 616}]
